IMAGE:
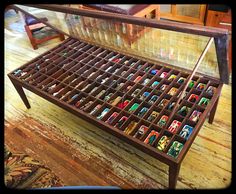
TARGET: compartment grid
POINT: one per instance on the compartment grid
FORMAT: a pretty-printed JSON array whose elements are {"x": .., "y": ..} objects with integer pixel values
[{"x": 87, "y": 67}]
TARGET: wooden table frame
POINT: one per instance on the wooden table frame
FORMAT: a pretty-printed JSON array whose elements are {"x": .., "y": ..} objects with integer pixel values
[{"x": 174, "y": 164}]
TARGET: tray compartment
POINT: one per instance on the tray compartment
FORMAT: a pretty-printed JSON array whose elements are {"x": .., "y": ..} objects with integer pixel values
[
  {"x": 152, "y": 135},
  {"x": 120, "y": 120},
  {"x": 140, "y": 130},
  {"x": 142, "y": 110}
]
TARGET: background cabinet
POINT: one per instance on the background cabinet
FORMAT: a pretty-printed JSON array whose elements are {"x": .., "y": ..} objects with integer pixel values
[{"x": 219, "y": 18}]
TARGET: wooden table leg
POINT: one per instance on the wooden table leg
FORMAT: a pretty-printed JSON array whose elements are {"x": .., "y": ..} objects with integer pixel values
[
  {"x": 21, "y": 92},
  {"x": 173, "y": 175},
  {"x": 213, "y": 111}
]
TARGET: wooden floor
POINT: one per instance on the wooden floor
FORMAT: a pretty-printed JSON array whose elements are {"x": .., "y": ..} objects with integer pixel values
[{"x": 82, "y": 154}]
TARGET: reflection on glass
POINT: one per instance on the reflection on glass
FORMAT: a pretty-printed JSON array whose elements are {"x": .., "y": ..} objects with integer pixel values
[
  {"x": 192, "y": 10},
  {"x": 165, "y": 8},
  {"x": 175, "y": 48}
]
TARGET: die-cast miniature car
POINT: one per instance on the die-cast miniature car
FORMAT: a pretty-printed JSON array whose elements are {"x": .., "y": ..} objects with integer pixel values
[
  {"x": 186, "y": 131},
  {"x": 162, "y": 121},
  {"x": 163, "y": 142},
  {"x": 130, "y": 127},
  {"x": 152, "y": 136},
  {"x": 141, "y": 131},
  {"x": 121, "y": 121},
  {"x": 103, "y": 113},
  {"x": 175, "y": 149},
  {"x": 174, "y": 126},
  {"x": 152, "y": 116},
  {"x": 112, "y": 117}
]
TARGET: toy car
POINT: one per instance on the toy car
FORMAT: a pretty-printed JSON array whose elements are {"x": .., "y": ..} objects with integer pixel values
[
  {"x": 186, "y": 131},
  {"x": 139, "y": 66},
  {"x": 163, "y": 142},
  {"x": 86, "y": 87},
  {"x": 141, "y": 132},
  {"x": 132, "y": 64},
  {"x": 201, "y": 86},
  {"x": 119, "y": 85},
  {"x": 109, "y": 68},
  {"x": 123, "y": 104},
  {"x": 163, "y": 103},
  {"x": 154, "y": 71},
  {"x": 181, "y": 80},
  {"x": 91, "y": 74},
  {"x": 70, "y": 100},
  {"x": 100, "y": 94},
  {"x": 193, "y": 98},
  {"x": 104, "y": 80},
  {"x": 183, "y": 111},
  {"x": 130, "y": 76},
  {"x": 55, "y": 93},
  {"x": 130, "y": 127},
  {"x": 211, "y": 90},
  {"x": 137, "y": 79},
  {"x": 123, "y": 73},
  {"x": 144, "y": 95},
  {"x": 163, "y": 87},
  {"x": 79, "y": 102},
  {"x": 133, "y": 107},
  {"x": 121, "y": 121},
  {"x": 151, "y": 137},
  {"x": 93, "y": 90},
  {"x": 204, "y": 102},
  {"x": 174, "y": 126},
  {"x": 142, "y": 111},
  {"x": 115, "y": 101},
  {"x": 162, "y": 121},
  {"x": 127, "y": 88},
  {"x": 171, "y": 106},
  {"x": 95, "y": 109},
  {"x": 113, "y": 84},
  {"x": 103, "y": 113},
  {"x": 146, "y": 81},
  {"x": 107, "y": 97},
  {"x": 172, "y": 77},
  {"x": 191, "y": 84},
  {"x": 85, "y": 106},
  {"x": 136, "y": 92},
  {"x": 164, "y": 74},
  {"x": 153, "y": 99},
  {"x": 79, "y": 84},
  {"x": 173, "y": 91},
  {"x": 111, "y": 58},
  {"x": 155, "y": 83},
  {"x": 126, "y": 62},
  {"x": 152, "y": 116},
  {"x": 51, "y": 87},
  {"x": 147, "y": 68},
  {"x": 116, "y": 70},
  {"x": 112, "y": 117},
  {"x": 195, "y": 116},
  {"x": 64, "y": 95},
  {"x": 175, "y": 149}
]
